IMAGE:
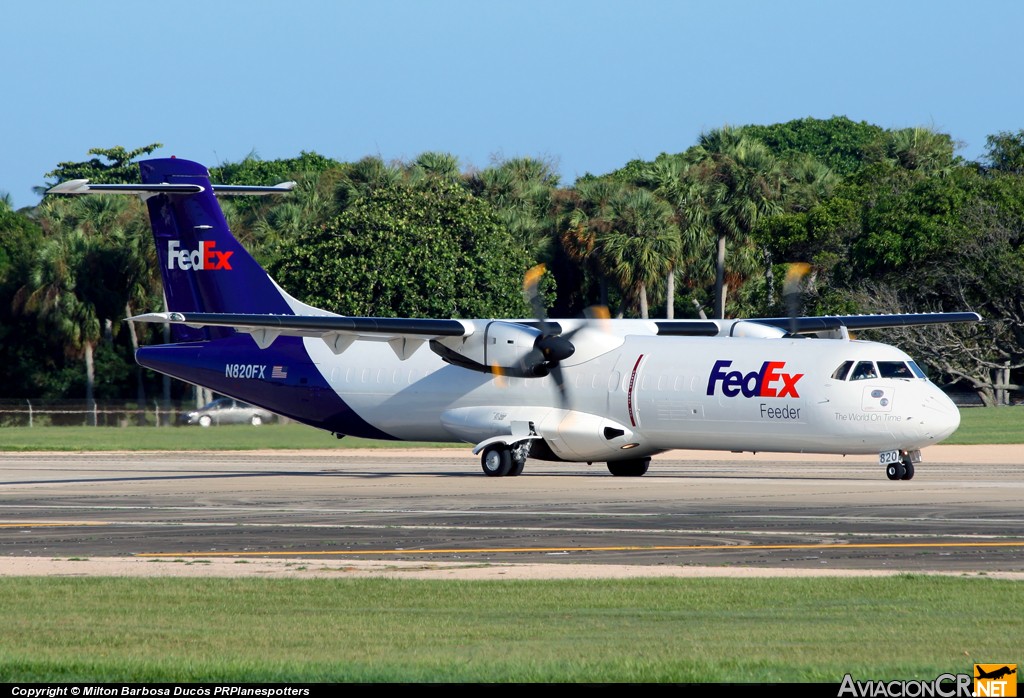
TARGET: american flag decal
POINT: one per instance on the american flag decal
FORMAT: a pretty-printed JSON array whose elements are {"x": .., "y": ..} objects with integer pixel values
[{"x": 279, "y": 372}]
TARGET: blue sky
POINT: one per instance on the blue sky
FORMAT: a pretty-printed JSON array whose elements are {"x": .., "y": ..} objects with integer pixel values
[{"x": 589, "y": 85}]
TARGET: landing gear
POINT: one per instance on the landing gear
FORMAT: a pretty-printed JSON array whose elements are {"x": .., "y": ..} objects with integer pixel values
[
  {"x": 519, "y": 454},
  {"x": 908, "y": 468},
  {"x": 496, "y": 460},
  {"x": 903, "y": 469},
  {"x": 634, "y": 467},
  {"x": 499, "y": 460}
]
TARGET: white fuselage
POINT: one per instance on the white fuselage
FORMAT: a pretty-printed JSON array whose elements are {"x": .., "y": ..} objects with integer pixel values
[{"x": 651, "y": 394}]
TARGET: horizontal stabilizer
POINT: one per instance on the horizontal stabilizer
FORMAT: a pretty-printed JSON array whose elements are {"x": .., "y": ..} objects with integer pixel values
[{"x": 83, "y": 186}]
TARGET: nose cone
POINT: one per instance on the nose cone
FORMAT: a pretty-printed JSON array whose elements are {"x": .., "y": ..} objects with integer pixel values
[{"x": 941, "y": 416}]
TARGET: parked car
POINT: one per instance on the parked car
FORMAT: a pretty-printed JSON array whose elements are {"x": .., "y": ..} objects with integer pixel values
[{"x": 227, "y": 410}]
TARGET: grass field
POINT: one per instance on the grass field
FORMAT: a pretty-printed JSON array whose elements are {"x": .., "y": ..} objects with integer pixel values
[
  {"x": 379, "y": 630},
  {"x": 989, "y": 425},
  {"x": 978, "y": 425},
  {"x": 651, "y": 630}
]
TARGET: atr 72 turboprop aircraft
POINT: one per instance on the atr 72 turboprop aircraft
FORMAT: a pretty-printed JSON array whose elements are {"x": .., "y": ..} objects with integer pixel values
[{"x": 617, "y": 391}]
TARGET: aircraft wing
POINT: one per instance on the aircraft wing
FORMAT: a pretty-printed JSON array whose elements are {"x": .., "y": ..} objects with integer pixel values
[
  {"x": 865, "y": 322},
  {"x": 404, "y": 335}
]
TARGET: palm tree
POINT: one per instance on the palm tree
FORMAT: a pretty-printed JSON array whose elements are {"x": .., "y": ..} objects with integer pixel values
[
  {"x": 673, "y": 178},
  {"x": 589, "y": 216},
  {"x": 361, "y": 178},
  {"x": 443, "y": 165},
  {"x": 641, "y": 245},
  {"x": 921, "y": 149},
  {"x": 522, "y": 192},
  {"x": 54, "y": 294},
  {"x": 744, "y": 182}
]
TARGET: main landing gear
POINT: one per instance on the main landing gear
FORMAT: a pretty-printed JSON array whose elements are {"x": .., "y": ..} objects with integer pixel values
[
  {"x": 499, "y": 460},
  {"x": 635, "y": 467},
  {"x": 902, "y": 469}
]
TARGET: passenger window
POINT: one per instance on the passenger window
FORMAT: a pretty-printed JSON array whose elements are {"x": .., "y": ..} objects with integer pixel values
[
  {"x": 864, "y": 371},
  {"x": 844, "y": 368},
  {"x": 894, "y": 369}
]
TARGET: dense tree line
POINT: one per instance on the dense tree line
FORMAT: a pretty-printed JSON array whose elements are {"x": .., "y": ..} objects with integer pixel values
[{"x": 886, "y": 220}]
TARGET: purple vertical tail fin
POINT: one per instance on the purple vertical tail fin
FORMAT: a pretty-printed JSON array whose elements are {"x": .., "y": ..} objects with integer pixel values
[{"x": 204, "y": 268}]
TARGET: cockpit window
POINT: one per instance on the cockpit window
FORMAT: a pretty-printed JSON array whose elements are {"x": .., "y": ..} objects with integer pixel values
[
  {"x": 863, "y": 371},
  {"x": 894, "y": 369},
  {"x": 917, "y": 370},
  {"x": 844, "y": 368}
]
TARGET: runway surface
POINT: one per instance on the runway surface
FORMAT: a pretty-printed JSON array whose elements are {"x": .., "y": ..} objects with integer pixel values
[{"x": 960, "y": 514}]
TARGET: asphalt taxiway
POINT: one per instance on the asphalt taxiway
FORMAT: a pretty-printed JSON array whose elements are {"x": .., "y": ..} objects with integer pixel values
[{"x": 960, "y": 514}]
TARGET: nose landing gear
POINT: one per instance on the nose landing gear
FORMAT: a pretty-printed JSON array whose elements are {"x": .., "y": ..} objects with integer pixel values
[{"x": 903, "y": 469}]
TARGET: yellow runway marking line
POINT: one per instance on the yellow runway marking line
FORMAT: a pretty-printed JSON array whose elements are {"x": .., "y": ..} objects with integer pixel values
[{"x": 588, "y": 549}]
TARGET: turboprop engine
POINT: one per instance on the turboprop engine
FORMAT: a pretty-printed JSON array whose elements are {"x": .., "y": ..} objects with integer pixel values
[{"x": 508, "y": 348}]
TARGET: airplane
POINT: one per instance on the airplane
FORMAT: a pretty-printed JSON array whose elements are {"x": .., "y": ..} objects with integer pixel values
[
  {"x": 995, "y": 674},
  {"x": 575, "y": 390}
]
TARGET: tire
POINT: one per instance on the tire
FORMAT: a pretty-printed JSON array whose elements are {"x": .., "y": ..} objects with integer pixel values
[
  {"x": 908, "y": 471},
  {"x": 496, "y": 461},
  {"x": 629, "y": 468},
  {"x": 894, "y": 471},
  {"x": 205, "y": 421},
  {"x": 517, "y": 467},
  {"x": 256, "y": 420}
]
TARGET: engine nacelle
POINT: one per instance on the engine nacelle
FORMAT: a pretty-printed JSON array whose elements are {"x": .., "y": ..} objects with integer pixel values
[{"x": 509, "y": 346}]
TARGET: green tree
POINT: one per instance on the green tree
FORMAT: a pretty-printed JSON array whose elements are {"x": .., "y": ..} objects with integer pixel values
[
  {"x": 58, "y": 294},
  {"x": 24, "y": 351},
  {"x": 641, "y": 245},
  {"x": 838, "y": 143},
  {"x": 434, "y": 164},
  {"x": 675, "y": 179},
  {"x": 522, "y": 192},
  {"x": 921, "y": 149},
  {"x": 744, "y": 184},
  {"x": 120, "y": 167},
  {"x": 429, "y": 250},
  {"x": 1005, "y": 152},
  {"x": 588, "y": 217}
]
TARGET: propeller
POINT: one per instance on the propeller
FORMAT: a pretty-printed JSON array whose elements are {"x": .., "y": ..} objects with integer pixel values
[
  {"x": 791, "y": 290},
  {"x": 551, "y": 347}
]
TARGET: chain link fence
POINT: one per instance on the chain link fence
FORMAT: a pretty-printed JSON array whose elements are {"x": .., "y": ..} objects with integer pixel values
[{"x": 104, "y": 413}]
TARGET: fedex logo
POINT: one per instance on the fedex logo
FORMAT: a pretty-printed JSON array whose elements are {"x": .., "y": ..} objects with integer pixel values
[
  {"x": 204, "y": 258},
  {"x": 770, "y": 381}
]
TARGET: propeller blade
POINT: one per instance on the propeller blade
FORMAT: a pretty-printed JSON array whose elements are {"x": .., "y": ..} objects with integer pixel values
[
  {"x": 499, "y": 376},
  {"x": 791, "y": 290},
  {"x": 531, "y": 291},
  {"x": 563, "y": 393}
]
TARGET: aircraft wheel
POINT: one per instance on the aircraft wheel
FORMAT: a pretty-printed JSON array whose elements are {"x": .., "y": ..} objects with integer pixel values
[
  {"x": 519, "y": 453},
  {"x": 894, "y": 471},
  {"x": 256, "y": 420},
  {"x": 205, "y": 420},
  {"x": 496, "y": 461},
  {"x": 517, "y": 467},
  {"x": 908, "y": 470},
  {"x": 629, "y": 468}
]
